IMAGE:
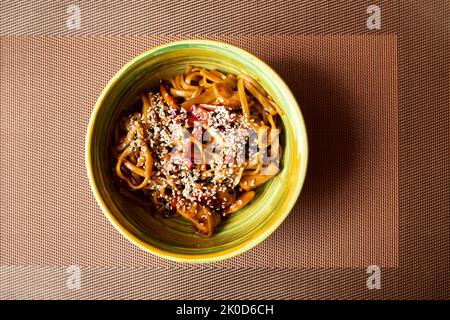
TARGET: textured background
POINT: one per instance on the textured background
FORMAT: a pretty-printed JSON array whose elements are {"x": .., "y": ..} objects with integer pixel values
[
  {"x": 346, "y": 216},
  {"x": 376, "y": 109}
]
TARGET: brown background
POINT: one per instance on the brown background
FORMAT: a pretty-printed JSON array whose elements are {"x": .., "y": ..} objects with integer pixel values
[{"x": 376, "y": 108}]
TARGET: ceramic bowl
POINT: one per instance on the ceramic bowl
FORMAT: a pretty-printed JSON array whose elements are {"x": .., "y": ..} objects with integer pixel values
[{"x": 173, "y": 238}]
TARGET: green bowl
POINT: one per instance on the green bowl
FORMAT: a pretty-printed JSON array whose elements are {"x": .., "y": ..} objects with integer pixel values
[{"x": 173, "y": 238}]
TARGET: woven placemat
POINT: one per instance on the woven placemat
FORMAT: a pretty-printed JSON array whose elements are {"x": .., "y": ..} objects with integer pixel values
[{"x": 347, "y": 213}]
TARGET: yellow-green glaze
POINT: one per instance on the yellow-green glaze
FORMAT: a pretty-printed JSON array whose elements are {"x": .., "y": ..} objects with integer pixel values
[{"x": 173, "y": 238}]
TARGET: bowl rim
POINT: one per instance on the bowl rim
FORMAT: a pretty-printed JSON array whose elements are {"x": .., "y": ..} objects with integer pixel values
[{"x": 261, "y": 235}]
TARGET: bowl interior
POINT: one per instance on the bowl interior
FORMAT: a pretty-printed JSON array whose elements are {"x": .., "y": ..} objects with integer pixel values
[{"x": 173, "y": 237}]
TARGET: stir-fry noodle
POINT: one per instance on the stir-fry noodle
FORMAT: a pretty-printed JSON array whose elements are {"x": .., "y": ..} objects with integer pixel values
[{"x": 199, "y": 145}]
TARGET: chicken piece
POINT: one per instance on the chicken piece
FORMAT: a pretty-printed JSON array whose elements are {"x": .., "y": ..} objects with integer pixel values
[
  {"x": 206, "y": 97},
  {"x": 226, "y": 96},
  {"x": 241, "y": 201},
  {"x": 170, "y": 100},
  {"x": 251, "y": 182},
  {"x": 204, "y": 221}
]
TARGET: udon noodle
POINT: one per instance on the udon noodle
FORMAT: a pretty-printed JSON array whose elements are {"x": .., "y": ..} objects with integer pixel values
[{"x": 199, "y": 145}]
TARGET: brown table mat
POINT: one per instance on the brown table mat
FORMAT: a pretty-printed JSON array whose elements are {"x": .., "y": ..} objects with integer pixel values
[{"x": 346, "y": 216}]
